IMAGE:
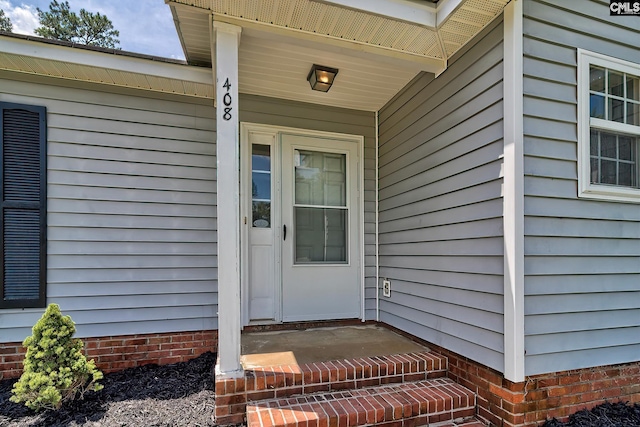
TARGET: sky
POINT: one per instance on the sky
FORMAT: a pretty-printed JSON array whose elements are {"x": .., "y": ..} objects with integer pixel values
[{"x": 146, "y": 26}]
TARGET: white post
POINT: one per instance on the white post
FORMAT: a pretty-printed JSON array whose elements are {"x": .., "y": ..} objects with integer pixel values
[{"x": 226, "y": 39}]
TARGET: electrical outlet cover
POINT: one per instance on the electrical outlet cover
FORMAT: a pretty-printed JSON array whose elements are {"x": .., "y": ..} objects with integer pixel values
[{"x": 386, "y": 288}]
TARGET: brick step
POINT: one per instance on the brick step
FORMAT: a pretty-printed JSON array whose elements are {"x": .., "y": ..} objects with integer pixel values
[
  {"x": 437, "y": 401},
  {"x": 289, "y": 380},
  {"x": 263, "y": 383}
]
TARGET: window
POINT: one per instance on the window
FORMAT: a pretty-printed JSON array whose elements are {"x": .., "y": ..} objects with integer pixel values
[
  {"x": 608, "y": 128},
  {"x": 23, "y": 211}
]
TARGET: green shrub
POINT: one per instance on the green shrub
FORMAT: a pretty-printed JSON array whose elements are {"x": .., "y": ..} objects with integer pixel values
[{"x": 55, "y": 370}]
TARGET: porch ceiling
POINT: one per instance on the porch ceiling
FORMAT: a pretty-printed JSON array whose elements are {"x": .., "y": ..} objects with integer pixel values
[{"x": 377, "y": 46}]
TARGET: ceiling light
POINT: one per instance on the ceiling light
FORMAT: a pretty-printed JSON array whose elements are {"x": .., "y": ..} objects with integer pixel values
[{"x": 321, "y": 78}]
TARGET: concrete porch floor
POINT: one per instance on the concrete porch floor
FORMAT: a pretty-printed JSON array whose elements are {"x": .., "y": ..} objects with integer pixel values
[{"x": 275, "y": 348}]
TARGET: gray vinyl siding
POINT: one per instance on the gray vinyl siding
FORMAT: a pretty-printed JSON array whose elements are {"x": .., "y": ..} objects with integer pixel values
[
  {"x": 278, "y": 112},
  {"x": 441, "y": 238},
  {"x": 582, "y": 258},
  {"x": 131, "y": 212}
]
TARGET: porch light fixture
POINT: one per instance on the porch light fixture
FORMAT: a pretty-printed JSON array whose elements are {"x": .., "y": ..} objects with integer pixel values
[{"x": 321, "y": 78}]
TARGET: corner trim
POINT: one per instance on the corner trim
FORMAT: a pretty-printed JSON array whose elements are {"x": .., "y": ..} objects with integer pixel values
[{"x": 513, "y": 195}]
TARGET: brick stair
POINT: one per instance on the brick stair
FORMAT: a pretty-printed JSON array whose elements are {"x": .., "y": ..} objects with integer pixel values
[
  {"x": 409, "y": 389},
  {"x": 419, "y": 403}
]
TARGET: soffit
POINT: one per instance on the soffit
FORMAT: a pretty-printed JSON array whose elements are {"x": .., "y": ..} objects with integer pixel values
[
  {"x": 376, "y": 55},
  {"x": 331, "y": 23},
  {"x": 30, "y": 57}
]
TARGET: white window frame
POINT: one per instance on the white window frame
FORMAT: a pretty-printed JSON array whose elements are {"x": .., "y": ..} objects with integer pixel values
[{"x": 586, "y": 188}]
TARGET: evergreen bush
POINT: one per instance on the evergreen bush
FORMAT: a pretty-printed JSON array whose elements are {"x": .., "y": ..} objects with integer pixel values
[{"x": 55, "y": 369}]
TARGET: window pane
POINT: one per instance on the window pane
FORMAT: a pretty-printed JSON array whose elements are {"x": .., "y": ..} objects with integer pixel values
[
  {"x": 633, "y": 114},
  {"x": 261, "y": 185},
  {"x": 627, "y": 175},
  {"x": 616, "y": 83},
  {"x": 608, "y": 172},
  {"x": 616, "y": 110},
  {"x": 261, "y": 215},
  {"x": 321, "y": 235},
  {"x": 625, "y": 148},
  {"x": 596, "y": 106},
  {"x": 608, "y": 145},
  {"x": 261, "y": 157},
  {"x": 597, "y": 79},
  {"x": 595, "y": 179},
  {"x": 633, "y": 88},
  {"x": 594, "y": 143},
  {"x": 320, "y": 178}
]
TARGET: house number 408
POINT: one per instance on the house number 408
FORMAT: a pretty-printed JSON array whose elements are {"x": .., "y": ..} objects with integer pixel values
[{"x": 227, "y": 100}]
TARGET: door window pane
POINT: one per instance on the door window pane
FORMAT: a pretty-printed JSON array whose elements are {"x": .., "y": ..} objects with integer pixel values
[
  {"x": 321, "y": 235},
  {"x": 261, "y": 157},
  {"x": 320, "y": 207},
  {"x": 261, "y": 185},
  {"x": 320, "y": 178}
]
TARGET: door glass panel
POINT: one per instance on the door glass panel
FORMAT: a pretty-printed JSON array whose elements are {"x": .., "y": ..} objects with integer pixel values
[
  {"x": 320, "y": 207},
  {"x": 261, "y": 185},
  {"x": 321, "y": 235},
  {"x": 320, "y": 178}
]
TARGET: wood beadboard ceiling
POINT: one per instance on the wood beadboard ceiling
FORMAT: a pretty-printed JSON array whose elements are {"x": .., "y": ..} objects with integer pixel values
[{"x": 376, "y": 55}]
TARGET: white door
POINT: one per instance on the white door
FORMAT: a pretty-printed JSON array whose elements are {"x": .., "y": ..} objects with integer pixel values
[
  {"x": 302, "y": 233},
  {"x": 320, "y": 244}
]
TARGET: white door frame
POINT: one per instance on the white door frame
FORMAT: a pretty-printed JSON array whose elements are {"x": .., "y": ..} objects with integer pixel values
[{"x": 246, "y": 210}]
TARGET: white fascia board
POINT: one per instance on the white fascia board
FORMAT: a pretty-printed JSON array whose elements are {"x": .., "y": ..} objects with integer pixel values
[
  {"x": 445, "y": 9},
  {"x": 402, "y": 10},
  {"x": 104, "y": 60},
  {"x": 413, "y": 12}
]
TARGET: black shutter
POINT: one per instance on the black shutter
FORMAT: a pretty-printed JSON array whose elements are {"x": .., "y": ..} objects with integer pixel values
[{"x": 23, "y": 210}]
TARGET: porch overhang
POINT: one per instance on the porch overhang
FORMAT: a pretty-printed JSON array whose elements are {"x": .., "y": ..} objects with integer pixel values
[{"x": 378, "y": 46}]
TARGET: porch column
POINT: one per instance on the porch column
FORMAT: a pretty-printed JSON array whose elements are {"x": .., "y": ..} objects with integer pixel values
[{"x": 226, "y": 39}]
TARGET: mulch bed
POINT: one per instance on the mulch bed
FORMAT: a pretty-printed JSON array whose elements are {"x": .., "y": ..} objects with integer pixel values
[
  {"x": 606, "y": 415},
  {"x": 171, "y": 395}
]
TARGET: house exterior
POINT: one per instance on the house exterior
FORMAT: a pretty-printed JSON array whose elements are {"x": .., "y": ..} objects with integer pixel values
[{"x": 482, "y": 156}]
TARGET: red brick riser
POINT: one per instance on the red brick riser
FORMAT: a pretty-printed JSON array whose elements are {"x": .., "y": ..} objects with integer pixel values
[
  {"x": 541, "y": 397},
  {"x": 127, "y": 351}
]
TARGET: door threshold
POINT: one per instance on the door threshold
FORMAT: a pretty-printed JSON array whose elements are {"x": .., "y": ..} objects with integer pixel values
[{"x": 298, "y": 326}]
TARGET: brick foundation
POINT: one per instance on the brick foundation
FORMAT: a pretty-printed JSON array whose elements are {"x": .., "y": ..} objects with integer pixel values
[
  {"x": 126, "y": 351},
  {"x": 541, "y": 397}
]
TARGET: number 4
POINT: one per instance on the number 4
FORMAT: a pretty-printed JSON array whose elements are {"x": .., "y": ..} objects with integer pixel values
[{"x": 227, "y": 85}]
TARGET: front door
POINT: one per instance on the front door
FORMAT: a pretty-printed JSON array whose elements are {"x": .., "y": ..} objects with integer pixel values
[{"x": 303, "y": 238}]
